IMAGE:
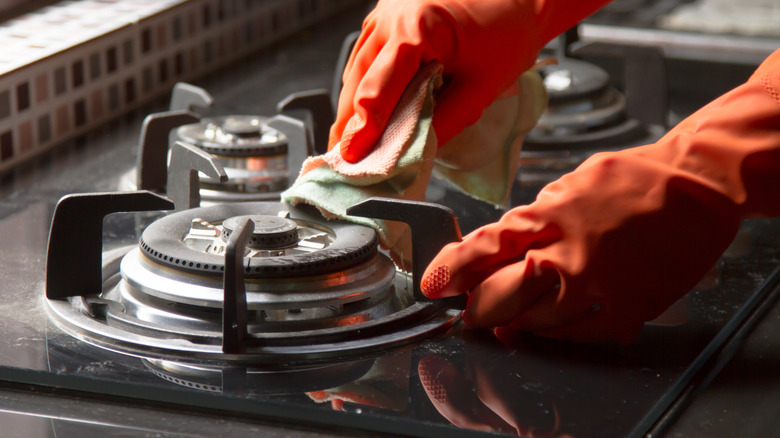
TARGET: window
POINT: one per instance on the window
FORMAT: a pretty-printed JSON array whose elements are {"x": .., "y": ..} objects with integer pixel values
[
  {"x": 6, "y": 146},
  {"x": 80, "y": 112},
  {"x": 60, "y": 81},
  {"x": 113, "y": 97},
  {"x": 147, "y": 79},
  {"x": 127, "y": 49},
  {"x": 94, "y": 66},
  {"x": 25, "y": 143},
  {"x": 207, "y": 51},
  {"x": 163, "y": 69},
  {"x": 146, "y": 40},
  {"x": 41, "y": 88},
  {"x": 111, "y": 59},
  {"x": 23, "y": 96},
  {"x": 178, "y": 64},
  {"x": 129, "y": 90},
  {"x": 62, "y": 119},
  {"x": 5, "y": 104},
  {"x": 177, "y": 29},
  {"x": 162, "y": 36},
  {"x": 44, "y": 129},
  {"x": 206, "y": 16},
  {"x": 77, "y": 71},
  {"x": 96, "y": 103}
]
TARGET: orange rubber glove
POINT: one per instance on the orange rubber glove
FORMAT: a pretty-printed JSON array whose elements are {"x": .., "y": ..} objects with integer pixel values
[
  {"x": 614, "y": 243},
  {"x": 484, "y": 46}
]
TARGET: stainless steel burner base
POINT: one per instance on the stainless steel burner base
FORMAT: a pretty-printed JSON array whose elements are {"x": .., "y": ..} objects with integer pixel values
[{"x": 411, "y": 323}]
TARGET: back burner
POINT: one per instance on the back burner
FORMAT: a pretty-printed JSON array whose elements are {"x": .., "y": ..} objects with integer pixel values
[{"x": 587, "y": 113}]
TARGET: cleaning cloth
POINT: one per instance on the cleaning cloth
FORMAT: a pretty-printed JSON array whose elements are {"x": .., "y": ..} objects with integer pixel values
[{"x": 481, "y": 161}]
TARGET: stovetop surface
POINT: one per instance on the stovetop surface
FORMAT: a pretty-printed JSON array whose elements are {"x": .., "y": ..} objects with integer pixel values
[{"x": 532, "y": 386}]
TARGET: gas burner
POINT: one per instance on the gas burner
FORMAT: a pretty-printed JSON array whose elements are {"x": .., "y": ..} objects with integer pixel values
[
  {"x": 253, "y": 154},
  {"x": 584, "y": 111},
  {"x": 297, "y": 262},
  {"x": 234, "y": 136},
  {"x": 585, "y": 115},
  {"x": 260, "y": 156},
  {"x": 256, "y": 153},
  {"x": 305, "y": 290}
]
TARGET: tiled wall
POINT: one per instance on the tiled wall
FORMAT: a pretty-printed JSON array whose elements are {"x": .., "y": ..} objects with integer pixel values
[{"x": 70, "y": 67}]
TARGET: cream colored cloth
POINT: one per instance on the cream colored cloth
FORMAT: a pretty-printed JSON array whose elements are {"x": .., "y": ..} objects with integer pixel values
[{"x": 482, "y": 160}]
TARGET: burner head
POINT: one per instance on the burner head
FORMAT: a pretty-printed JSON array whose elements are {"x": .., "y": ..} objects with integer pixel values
[
  {"x": 254, "y": 155},
  {"x": 193, "y": 241},
  {"x": 235, "y": 136},
  {"x": 243, "y": 127},
  {"x": 271, "y": 232},
  {"x": 585, "y": 115},
  {"x": 253, "y": 150},
  {"x": 584, "y": 111}
]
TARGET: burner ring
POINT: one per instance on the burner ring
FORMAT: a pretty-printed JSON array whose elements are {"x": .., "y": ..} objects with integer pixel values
[
  {"x": 163, "y": 242},
  {"x": 234, "y": 136}
]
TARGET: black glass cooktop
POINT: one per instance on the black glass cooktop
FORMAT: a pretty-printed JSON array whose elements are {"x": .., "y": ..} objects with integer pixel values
[{"x": 462, "y": 382}]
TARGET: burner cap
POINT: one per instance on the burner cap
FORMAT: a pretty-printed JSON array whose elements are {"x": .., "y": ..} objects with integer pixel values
[
  {"x": 234, "y": 136},
  {"x": 290, "y": 241},
  {"x": 270, "y": 232},
  {"x": 243, "y": 126},
  {"x": 571, "y": 80}
]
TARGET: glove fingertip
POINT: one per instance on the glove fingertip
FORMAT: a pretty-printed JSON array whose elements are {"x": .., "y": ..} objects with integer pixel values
[
  {"x": 353, "y": 147},
  {"x": 435, "y": 281},
  {"x": 359, "y": 137},
  {"x": 350, "y": 154}
]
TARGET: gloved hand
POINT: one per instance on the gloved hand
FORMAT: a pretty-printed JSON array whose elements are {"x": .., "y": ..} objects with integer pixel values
[
  {"x": 614, "y": 243},
  {"x": 484, "y": 45}
]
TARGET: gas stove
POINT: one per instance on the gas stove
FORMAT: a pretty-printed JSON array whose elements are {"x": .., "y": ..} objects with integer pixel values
[{"x": 230, "y": 312}]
